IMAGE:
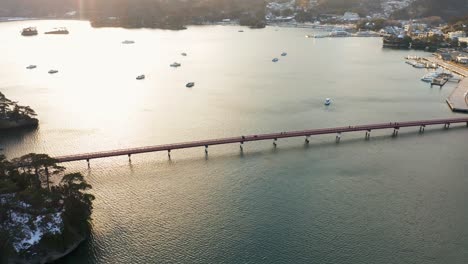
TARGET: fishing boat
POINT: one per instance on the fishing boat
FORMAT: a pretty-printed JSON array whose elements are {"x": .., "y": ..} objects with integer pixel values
[
  {"x": 140, "y": 77},
  {"x": 29, "y": 31},
  {"x": 190, "y": 85},
  {"x": 53, "y": 71},
  {"x": 327, "y": 101},
  {"x": 275, "y": 60},
  {"x": 175, "y": 64},
  {"x": 284, "y": 54},
  {"x": 30, "y": 67}
]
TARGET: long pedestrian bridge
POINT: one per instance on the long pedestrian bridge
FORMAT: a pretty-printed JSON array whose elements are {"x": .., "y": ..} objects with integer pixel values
[{"x": 395, "y": 126}]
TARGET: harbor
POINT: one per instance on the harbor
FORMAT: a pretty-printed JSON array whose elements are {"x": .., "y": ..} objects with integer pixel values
[{"x": 457, "y": 100}]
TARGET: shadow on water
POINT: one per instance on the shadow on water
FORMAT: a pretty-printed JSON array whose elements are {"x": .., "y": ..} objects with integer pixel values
[{"x": 15, "y": 136}]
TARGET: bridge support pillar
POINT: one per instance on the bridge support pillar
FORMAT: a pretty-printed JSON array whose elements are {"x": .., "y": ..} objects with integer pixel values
[
  {"x": 241, "y": 146},
  {"x": 129, "y": 157},
  {"x": 421, "y": 129},
  {"x": 338, "y": 137},
  {"x": 274, "y": 142},
  {"x": 307, "y": 139},
  {"x": 368, "y": 134},
  {"x": 446, "y": 126},
  {"x": 89, "y": 165},
  {"x": 206, "y": 149},
  {"x": 169, "y": 153},
  {"x": 395, "y": 132}
]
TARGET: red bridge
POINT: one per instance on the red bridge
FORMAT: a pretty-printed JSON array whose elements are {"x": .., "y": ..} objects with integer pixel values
[{"x": 273, "y": 136}]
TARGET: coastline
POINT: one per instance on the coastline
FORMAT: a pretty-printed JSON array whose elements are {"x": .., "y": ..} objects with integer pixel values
[
  {"x": 50, "y": 257},
  {"x": 325, "y": 27},
  {"x": 55, "y": 256}
]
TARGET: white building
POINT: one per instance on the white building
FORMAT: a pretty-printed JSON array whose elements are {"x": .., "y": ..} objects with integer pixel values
[
  {"x": 463, "y": 60},
  {"x": 435, "y": 32},
  {"x": 456, "y": 34},
  {"x": 464, "y": 40},
  {"x": 350, "y": 16}
]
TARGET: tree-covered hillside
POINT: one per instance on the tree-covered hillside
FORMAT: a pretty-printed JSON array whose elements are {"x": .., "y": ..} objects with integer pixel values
[{"x": 424, "y": 8}]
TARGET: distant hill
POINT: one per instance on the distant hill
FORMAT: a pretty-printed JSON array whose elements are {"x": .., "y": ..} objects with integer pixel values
[
  {"x": 42, "y": 8},
  {"x": 36, "y": 8},
  {"x": 424, "y": 8},
  {"x": 363, "y": 7},
  {"x": 141, "y": 13}
]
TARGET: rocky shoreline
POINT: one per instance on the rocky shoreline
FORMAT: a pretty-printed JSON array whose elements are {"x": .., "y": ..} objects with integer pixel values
[{"x": 51, "y": 256}]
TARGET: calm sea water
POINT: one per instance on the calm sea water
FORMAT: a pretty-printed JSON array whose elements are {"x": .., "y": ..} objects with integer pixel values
[{"x": 387, "y": 200}]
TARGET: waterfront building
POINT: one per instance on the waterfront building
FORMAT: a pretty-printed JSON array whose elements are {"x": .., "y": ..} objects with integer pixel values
[{"x": 456, "y": 35}]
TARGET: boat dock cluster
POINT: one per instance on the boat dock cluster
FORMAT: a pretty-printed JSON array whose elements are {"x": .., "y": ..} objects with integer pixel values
[
  {"x": 437, "y": 75},
  {"x": 420, "y": 63},
  {"x": 458, "y": 99}
]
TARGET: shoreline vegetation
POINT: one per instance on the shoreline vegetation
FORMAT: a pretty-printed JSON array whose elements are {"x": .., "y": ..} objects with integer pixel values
[
  {"x": 44, "y": 213},
  {"x": 13, "y": 115}
]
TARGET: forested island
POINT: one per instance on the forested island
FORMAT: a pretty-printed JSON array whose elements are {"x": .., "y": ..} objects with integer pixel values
[
  {"x": 13, "y": 115},
  {"x": 44, "y": 213}
]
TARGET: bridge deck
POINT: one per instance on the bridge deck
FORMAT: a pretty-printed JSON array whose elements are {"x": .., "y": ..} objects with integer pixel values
[{"x": 248, "y": 138}]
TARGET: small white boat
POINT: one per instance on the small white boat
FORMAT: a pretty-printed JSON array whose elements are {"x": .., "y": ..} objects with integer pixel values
[
  {"x": 128, "y": 42},
  {"x": 141, "y": 77},
  {"x": 284, "y": 54},
  {"x": 30, "y": 67},
  {"x": 183, "y": 54},
  {"x": 190, "y": 85},
  {"x": 419, "y": 65},
  {"x": 275, "y": 60},
  {"x": 412, "y": 57},
  {"x": 327, "y": 101},
  {"x": 429, "y": 77},
  {"x": 176, "y": 64},
  {"x": 53, "y": 71}
]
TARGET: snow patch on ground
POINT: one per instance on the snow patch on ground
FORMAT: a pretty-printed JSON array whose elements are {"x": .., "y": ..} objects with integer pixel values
[{"x": 29, "y": 230}]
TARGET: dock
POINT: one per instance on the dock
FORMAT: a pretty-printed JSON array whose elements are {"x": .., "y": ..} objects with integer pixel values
[
  {"x": 306, "y": 134},
  {"x": 458, "y": 99},
  {"x": 439, "y": 82}
]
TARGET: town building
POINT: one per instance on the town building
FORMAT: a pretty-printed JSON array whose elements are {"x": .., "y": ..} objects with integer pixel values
[{"x": 456, "y": 35}]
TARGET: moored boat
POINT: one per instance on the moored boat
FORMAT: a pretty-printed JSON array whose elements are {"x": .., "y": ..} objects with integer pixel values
[
  {"x": 53, "y": 71},
  {"x": 58, "y": 31},
  {"x": 275, "y": 60},
  {"x": 190, "y": 85},
  {"x": 29, "y": 31},
  {"x": 419, "y": 65},
  {"x": 30, "y": 67},
  {"x": 175, "y": 64},
  {"x": 141, "y": 77}
]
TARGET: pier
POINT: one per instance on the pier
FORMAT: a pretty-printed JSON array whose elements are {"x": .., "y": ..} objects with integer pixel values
[
  {"x": 458, "y": 99},
  {"x": 274, "y": 137}
]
